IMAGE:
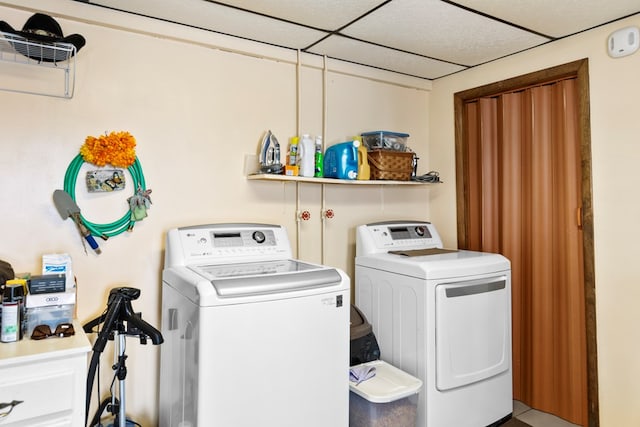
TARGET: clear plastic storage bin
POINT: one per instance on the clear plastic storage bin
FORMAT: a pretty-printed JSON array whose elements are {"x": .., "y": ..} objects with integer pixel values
[
  {"x": 51, "y": 315},
  {"x": 385, "y": 140},
  {"x": 389, "y": 399},
  {"x": 49, "y": 309}
]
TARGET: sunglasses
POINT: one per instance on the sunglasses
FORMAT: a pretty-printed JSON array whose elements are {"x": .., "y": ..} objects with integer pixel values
[{"x": 41, "y": 332}]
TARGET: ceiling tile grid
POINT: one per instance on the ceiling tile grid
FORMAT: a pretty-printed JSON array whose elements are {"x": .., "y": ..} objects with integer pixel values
[
  {"x": 347, "y": 49},
  {"x": 428, "y": 39},
  {"x": 556, "y": 18},
  {"x": 439, "y": 30},
  {"x": 328, "y": 15}
]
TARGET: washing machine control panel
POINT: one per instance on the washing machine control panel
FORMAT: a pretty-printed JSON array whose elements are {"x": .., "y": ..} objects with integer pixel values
[
  {"x": 223, "y": 244},
  {"x": 383, "y": 237}
]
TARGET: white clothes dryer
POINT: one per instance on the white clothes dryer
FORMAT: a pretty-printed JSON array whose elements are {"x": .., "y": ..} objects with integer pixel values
[
  {"x": 252, "y": 337},
  {"x": 441, "y": 315}
]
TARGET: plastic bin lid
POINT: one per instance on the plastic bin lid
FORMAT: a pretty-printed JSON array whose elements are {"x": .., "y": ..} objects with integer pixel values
[
  {"x": 389, "y": 384},
  {"x": 385, "y": 132}
]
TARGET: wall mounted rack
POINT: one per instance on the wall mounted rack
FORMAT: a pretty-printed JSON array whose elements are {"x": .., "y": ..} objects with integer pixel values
[{"x": 36, "y": 68}]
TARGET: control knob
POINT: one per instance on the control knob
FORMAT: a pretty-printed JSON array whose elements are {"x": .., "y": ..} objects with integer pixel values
[{"x": 258, "y": 236}]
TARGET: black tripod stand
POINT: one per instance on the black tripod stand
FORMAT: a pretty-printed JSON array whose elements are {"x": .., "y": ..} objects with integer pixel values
[{"x": 119, "y": 321}]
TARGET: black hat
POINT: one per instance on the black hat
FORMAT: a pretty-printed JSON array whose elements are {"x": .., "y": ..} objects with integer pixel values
[
  {"x": 43, "y": 30},
  {"x": 6, "y": 273}
]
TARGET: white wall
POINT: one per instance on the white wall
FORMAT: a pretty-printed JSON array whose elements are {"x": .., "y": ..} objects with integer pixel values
[
  {"x": 197, "y": 106},
  {"x": 197, "y": 103},
  {"x": 615, "y": 128}
]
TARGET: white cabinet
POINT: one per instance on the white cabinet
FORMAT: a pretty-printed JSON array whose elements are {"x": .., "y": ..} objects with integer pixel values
[{"x": 49, "y": 377}]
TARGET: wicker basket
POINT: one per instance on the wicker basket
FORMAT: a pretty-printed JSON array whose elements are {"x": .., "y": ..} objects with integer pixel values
[{"x": 391, "y": 165}]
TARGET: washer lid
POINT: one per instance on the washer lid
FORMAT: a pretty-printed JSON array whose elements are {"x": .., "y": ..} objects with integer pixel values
[{"x": 267, "y": 277}]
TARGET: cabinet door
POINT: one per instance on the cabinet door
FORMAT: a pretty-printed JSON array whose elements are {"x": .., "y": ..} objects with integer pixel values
[{"x": 49, "y": 390}]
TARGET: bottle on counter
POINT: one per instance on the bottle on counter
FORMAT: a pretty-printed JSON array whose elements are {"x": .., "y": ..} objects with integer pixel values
[
  {"x": 318, "y": 170},
  {"x": 307, "y": 152},
  {"x": 10, "y": 322},
  {"x": 293, "y": 151},
  {"x": 293, "y": 158},
  {"x": 13, "y": 310}
]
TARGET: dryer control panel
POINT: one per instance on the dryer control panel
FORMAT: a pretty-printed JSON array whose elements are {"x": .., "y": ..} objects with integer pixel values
[{"x": 396, "y": 235}]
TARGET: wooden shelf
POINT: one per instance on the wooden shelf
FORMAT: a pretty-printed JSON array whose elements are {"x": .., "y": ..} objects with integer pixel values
[{"x": 286, "y": 178}]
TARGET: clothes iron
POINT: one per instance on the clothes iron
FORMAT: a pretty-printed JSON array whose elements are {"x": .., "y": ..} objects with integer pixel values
[{"x": 270, "y": 155}]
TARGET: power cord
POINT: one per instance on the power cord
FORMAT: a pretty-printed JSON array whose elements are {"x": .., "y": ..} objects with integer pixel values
[{"x": 432, "y": 176}]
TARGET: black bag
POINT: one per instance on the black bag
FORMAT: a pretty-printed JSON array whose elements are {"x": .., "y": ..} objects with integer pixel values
[{"x": 364, "y": 346}]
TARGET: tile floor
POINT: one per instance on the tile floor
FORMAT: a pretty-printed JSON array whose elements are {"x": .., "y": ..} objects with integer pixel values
[{"x": 536, "y": 418}]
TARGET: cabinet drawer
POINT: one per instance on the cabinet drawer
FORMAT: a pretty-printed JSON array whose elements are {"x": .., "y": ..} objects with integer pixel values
[{"x": 47, "y": 391}]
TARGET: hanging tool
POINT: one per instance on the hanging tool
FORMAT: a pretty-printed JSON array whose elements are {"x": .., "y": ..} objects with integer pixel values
[{"x": 67, "y": 207}]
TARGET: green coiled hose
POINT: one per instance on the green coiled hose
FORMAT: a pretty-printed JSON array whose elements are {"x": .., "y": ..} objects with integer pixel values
[{"x": 114, "y": 228}]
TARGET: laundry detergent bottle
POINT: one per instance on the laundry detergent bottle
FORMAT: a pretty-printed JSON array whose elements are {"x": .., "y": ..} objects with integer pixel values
[
  {"x": 364, "y": 171},
  {"x": 306, "y": 155},
  {"x": 341, "y": 160}
]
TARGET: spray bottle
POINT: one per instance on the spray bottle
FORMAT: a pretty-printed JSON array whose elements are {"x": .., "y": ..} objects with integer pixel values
[{"x": 318, "y": 171}]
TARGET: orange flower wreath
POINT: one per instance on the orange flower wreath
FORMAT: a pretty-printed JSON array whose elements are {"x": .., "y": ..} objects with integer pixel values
[{"x": 117, "y": 149}]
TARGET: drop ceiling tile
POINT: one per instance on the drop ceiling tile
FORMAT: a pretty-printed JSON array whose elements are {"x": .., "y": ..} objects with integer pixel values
[
  {"x": 321, "y": 14},
  {"x": 346, "y": 49},
  {"x": 440, "y": 30},
  {"x": 424, "y": 38},
  {"x": 556, "y": 18},
  {"x": 222, "y": 19}
]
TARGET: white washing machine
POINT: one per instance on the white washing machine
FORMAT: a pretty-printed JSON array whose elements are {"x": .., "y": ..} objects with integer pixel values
[
  {"x": 441, "y": 315},
  {"x": 252, "y": 337}
]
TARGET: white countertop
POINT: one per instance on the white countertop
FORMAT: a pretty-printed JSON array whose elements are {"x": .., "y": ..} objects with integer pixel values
[{"x": 28, "y": 350}]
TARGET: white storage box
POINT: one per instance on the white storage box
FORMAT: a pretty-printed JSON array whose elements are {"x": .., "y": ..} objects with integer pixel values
[
  {"x": 49, "y": 309},
  {"x": 51, "y": 299},
  {"x": 389, "y": 399}
]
